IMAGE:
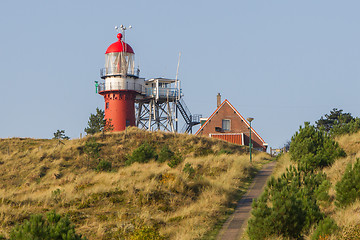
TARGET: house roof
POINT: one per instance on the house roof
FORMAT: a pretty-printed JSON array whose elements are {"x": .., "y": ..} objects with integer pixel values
[{"x": 221, "y": 105}]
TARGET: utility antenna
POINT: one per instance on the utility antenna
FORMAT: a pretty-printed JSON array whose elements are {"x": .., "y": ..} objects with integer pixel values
[{"x": 177, "y": 85}]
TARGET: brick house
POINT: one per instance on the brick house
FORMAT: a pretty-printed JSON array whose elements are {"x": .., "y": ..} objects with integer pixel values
[{"x": 226, "y": 123}]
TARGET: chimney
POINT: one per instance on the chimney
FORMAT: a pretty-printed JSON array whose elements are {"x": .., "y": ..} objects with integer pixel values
[{"x": 218, "y": 98}]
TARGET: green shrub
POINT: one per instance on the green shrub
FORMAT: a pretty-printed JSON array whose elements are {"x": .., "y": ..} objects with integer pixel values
[
  {"x": 142, "y": 154},
  {"x": 175, "y": 160},
  {"x": 146, "y": 232},
  {"x": 203, "y": 151},
  {"x": 225, "y": 151},
  {"x": 92, "y": 148},
  {"x": 322, "y": 193},
  {"x": 325, "y": 227},
  {"x": 336, "y": 117},
  {"x": 288, "y": 205},
  {"x": 56, "y": 195},
  {"x": 54, "y": 227},
  {"x": 348, "y": 188},
  {"x": 189, "y": 169},
  {"x": 43, "y": 171},
  {"x": 103, "y": 166},
  {"x": 60, "y": 134},
  {"x": 341, "y": 128},
  {"x": 165, "y": 154},
  {"x": 313, "y": 148}
]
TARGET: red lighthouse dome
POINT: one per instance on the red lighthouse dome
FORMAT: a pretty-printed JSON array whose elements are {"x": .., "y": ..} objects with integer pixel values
[{"x": 119, "y": 46}]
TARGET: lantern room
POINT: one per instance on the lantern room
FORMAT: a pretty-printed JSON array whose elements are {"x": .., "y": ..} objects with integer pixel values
[{"x": 119, "y": 60}]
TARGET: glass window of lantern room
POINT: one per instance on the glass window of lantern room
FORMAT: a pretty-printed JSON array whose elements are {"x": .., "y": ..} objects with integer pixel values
[
  {"x": 112, "y": 62},
  {"x": 226, "y": 124}
]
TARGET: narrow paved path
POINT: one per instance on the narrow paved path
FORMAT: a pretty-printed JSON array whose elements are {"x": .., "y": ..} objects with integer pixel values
[{"x": 234, "y": 226}]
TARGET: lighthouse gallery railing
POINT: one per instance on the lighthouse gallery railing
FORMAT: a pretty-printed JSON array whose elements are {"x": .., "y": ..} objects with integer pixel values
[
  {"x": 105, "y": 72},
  {"x": 120, "y": 86},
  {"x": 150, "y": 92}
]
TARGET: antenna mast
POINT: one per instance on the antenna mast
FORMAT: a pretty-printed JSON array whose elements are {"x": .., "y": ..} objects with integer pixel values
[{"x": 177, "y": 84}]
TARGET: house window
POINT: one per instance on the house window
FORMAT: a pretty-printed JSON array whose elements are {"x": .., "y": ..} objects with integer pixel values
[{"x": 226, "y": 124}]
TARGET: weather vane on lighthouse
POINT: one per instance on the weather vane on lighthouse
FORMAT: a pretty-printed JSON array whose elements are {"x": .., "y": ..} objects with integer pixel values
[{"x": 122, "y": 29}]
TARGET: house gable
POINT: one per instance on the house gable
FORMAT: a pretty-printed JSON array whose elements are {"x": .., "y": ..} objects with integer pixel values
[{"x": 238, "y": 124}]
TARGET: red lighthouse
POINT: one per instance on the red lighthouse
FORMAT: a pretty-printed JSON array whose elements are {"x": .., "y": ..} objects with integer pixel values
[{"x": 122, "y": 85}]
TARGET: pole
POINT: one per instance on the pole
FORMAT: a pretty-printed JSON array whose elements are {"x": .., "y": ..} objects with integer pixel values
[
  {"x": 250, "y": 119},
  {"x": 250, "y": 144}
]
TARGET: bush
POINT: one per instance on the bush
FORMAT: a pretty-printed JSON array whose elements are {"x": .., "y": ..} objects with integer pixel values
[
  {"x": 325, "y": 227},
  {"x": 288, "y": 205},
  {"x": 54, "y": 227},
  {"x": 146, "y": 232},
  {"x": 92, "y": 148},
  {"x": 103, "y": 166},
  {"x": 142, "y": 154},
  {"x": 203, "y": 151},
  {"x": 336, "y": 117},
  {"x": 341, "y": 128},
  {"x": 56, "y": 195},
  {"x": 225, "y": 151},
  {"x": 165, "y": 154},
  {"x": 348, "y": 188},
  {"x": 175, "y": 160},
  {"x": 189, "y": 169},
  {"x": 60, "y": 134},
  {"x": 43, "y": 171},
  {"x": 322, "y": 193},
  {"x": 313, "y": 148}
]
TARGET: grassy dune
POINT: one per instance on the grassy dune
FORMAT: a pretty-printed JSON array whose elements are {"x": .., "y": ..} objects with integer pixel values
[{"x": 38, "y": 175}]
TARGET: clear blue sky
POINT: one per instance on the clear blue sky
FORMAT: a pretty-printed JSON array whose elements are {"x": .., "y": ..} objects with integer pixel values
[{"x": 281, "y": 62}]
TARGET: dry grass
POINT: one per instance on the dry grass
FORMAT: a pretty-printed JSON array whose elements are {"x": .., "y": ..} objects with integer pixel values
[
  {"x": 41, "y": 175},
  {"x": 283, "y": 162}
]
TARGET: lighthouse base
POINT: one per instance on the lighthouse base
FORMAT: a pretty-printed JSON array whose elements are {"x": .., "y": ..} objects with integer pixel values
[{"x": 119, "y": 109}]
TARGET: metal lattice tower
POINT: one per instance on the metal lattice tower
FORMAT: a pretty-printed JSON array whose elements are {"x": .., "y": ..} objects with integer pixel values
[{"x": 159, "y": 108}]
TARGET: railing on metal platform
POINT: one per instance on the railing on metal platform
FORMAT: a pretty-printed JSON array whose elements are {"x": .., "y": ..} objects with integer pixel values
[
  {"x": 163, "y": 92},
  {"x": 196, "y": 118}
]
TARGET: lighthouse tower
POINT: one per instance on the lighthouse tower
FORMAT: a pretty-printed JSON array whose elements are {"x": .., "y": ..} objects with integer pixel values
[
  {"x": 157, "y": 100},
  {"x": 122, "y": 85}
]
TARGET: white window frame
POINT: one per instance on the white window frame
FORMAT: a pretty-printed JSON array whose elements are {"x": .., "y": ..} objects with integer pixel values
[{"x": 222, "y": 124}]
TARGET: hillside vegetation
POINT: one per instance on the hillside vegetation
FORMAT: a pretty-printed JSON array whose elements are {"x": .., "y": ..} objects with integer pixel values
[
  {"x": 314, "y": 192},
  {"x": 128, "y": 185}
]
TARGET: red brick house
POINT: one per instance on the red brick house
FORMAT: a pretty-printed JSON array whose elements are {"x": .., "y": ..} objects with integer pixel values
[{"x": 226, "y": 123}]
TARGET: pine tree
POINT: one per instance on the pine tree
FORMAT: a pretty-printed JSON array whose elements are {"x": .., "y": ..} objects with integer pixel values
[
  {"x": 348, "y": 188},
  {"x": 54, "y": 227},
  {"x": 313, "y": 148},
  {"x": 98, "y": 123},
  {"x": 60, "y": 134},
  {"x": 330, "y": 120},
  {"x": 288, "y": 205}
]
